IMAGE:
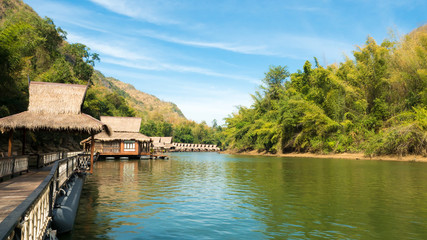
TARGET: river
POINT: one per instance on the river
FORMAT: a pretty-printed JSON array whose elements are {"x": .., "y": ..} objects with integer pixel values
[{"x": 219, "y": 196}]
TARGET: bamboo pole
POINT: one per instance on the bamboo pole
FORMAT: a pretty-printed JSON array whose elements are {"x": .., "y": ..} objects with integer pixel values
[
  {"x": 9, "y": 149},
  {"x": 92, "y": 146}
]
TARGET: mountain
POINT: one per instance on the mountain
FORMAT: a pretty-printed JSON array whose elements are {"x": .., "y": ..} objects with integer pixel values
[
  {"x": 8, "y": 7},
  {"x": 147, "y": 106},
  {"x": 34, "y": 48}
]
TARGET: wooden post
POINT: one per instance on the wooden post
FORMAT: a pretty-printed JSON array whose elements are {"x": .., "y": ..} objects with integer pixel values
[
  {"x": 24, "y": 138},
  {"x": 9, "y": 149},
  {"x": 92, "y": 146}
]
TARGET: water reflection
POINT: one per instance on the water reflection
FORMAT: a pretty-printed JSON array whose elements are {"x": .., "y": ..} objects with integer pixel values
[
  {"x": 306, "y": 198},
  {"x": 213, "y": 196}
]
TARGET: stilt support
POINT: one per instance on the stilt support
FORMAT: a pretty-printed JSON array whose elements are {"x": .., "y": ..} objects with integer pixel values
[
  {"x": 92, "y": 146},
  {"x": 9, "y": 149}
]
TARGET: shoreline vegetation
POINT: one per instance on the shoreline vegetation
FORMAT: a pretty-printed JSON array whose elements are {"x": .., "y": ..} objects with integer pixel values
[
  {"x": 34, "y": 48},
  {"x": 347, "y": 156},
  {"x": 374, "y": 103}
]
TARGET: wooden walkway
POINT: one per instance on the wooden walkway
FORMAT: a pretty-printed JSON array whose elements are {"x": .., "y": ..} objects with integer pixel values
[{"x": 17, "y": 189}]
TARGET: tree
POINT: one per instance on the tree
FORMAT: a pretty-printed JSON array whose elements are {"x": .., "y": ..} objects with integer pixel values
[{"x": 274, "y": 80}]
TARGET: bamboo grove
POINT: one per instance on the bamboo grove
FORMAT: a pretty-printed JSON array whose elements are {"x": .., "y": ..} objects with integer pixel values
[{"x": 373, "y": 102}]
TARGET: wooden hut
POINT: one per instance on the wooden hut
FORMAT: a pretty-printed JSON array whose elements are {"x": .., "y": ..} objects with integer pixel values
[
  {"x": 125, "y": 138},
  {"x": 52, "y": 107},
  {"x": 161, "y": 144}
]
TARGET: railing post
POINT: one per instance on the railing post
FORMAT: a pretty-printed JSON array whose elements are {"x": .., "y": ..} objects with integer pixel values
[
  {"x": 66, "y": 162},
  {"x": 13, "y": 166},
  {"x": 57, "y": 179},
  {"x": 51, "y": 192}
]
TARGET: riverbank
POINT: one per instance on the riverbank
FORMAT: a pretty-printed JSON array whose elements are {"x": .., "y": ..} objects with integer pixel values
[{"x": 353, "y": 156}]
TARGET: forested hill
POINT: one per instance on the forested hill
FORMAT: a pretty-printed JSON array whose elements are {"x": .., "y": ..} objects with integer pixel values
[
  {"x": 140, "y": 104},
  {"x": 35, "y": 48},
  {"x": 147, "y": 106},
  {"x": 374, "y": 102}
]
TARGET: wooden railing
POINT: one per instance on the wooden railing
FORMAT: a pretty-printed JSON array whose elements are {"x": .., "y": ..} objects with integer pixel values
[
  {"x": 10, "y": 166},
  {"x": 32, "y": 217},
  {"x": 48, "y": 158},
  {"x": 72, "y": 154}
]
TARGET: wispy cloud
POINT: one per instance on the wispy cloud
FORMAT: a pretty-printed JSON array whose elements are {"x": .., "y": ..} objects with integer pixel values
[
  {"x": 279, "y": 45},
  {"x": 71, "y": 15},
  {"x": 109, "y": 49},
  {"x": 238, "y": 48},
  {"x": 158, "y": 66},
  {"x": 114, "y": 54},
  {"x": 149, "y": 11},
  {"x": 85, "y": 25}
]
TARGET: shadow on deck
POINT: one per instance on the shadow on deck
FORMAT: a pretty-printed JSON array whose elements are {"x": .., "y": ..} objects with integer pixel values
[{"x": 15, "y": 190}]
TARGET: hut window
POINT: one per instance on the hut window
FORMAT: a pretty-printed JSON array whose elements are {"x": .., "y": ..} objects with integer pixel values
[
  {"x": 113, "y": 147},
  {"x": 129, "y": 146}
]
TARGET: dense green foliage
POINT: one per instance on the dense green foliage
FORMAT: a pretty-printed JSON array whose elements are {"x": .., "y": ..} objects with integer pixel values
[
  {"x": 374, "y": 103},
  {"x": 34, "y": 48},
  {"x": 185, "y": 132}
]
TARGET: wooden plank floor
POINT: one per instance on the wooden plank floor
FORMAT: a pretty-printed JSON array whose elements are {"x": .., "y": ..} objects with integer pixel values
[{"x": 17, "y": 189}]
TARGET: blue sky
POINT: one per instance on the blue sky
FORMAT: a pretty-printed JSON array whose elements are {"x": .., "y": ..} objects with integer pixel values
[{"x": 208, "y": 56}]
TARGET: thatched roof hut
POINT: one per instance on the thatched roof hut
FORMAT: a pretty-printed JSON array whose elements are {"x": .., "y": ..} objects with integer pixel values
[
  {"x": 163, "y": 140},
  {"x": 162, "y": 143},
  {"x": 124, "y": 140},
  {"x": 122, "y": 128},
  {"x": 54, "y": 106}
]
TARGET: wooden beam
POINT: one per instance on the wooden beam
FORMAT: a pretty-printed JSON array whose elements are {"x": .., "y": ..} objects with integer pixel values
[
  {"x": 24, "y": 138},
  {"x": 9, "y": 149},
  {"x": 92, "y": 146}
]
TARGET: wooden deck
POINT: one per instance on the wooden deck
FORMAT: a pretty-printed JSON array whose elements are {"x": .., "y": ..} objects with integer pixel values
[{"x": 17, "y": 189}]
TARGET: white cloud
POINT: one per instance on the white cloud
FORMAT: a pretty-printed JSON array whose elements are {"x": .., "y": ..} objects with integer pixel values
[
  {"x": 114, "y": 54},
  {"x": 158, "y": 66},
  {"x": 287, "y": 45},
  {"x": 239, "y": 48},
  {"x": 112, "y": 50},
  {"x": 150, "y": 11},
  {"x": 70, "y": 14}
]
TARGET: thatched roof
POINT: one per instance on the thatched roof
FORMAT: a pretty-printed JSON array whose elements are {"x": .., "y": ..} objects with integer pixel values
[
  {"x": 56, "y": 98},
  {"x": 163, "y": 140},
  {"x": 122, "y": 124},
  {"x": 123, "y": 128},
  {"x": 121, "y": 136},
  {"x": 54, "y": 106},
  {"x": 42, "y": 121}
]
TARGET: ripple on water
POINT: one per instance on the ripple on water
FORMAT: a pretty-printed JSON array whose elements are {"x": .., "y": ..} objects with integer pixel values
[{"x": 215, "y": 196}]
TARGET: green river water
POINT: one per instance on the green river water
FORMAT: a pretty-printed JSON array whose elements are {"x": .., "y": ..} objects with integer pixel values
[{"x": 219, "y": 196}]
